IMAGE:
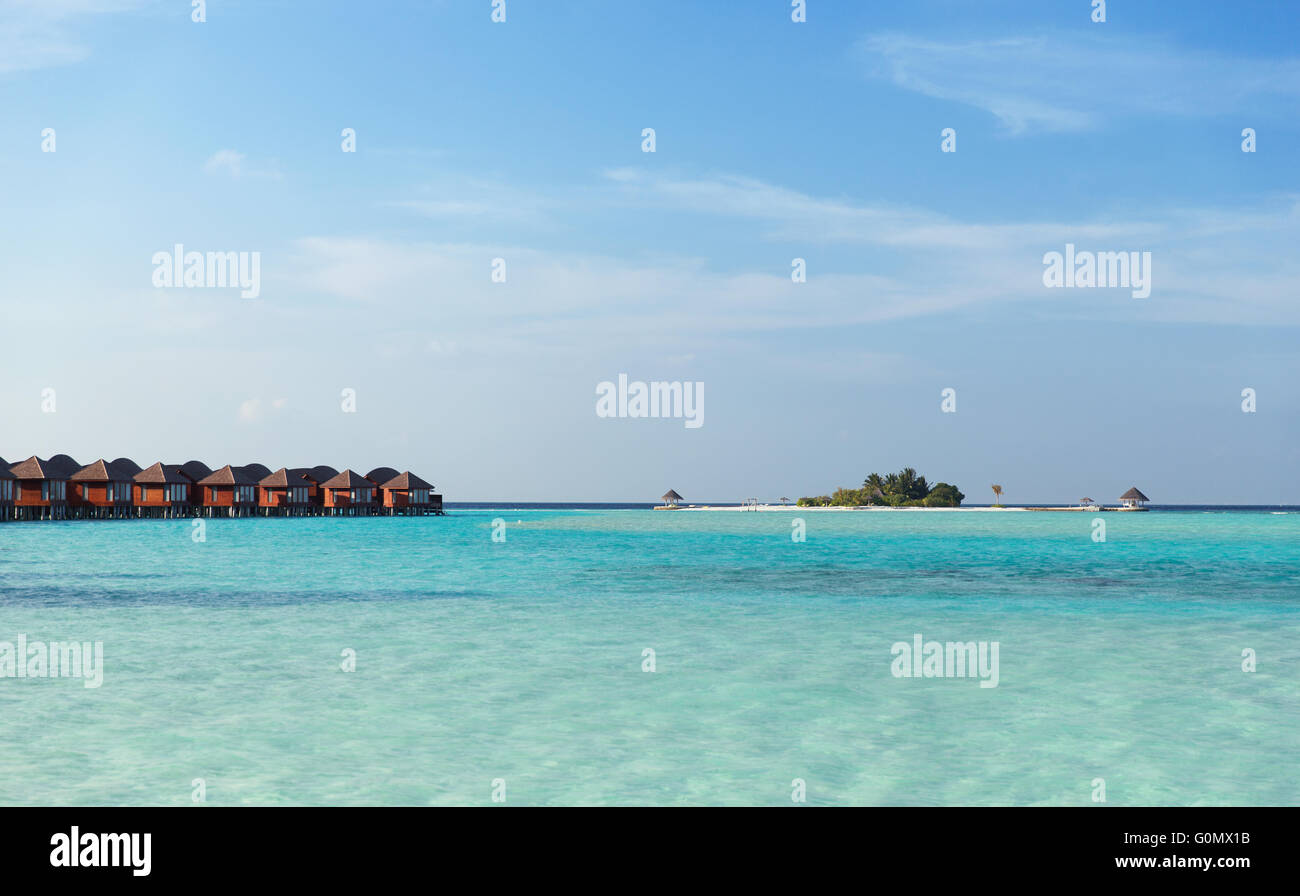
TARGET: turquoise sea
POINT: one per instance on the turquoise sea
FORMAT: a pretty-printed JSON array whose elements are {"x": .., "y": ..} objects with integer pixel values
[{"x": 522, "y": 660}]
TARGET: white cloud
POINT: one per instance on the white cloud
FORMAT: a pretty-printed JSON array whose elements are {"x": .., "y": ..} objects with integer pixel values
[
  {"x": 1059, "y": 83},
  {"x": 38, "y": 34},
  {"x": 1217, "y": 265},
  {"x": 250, "y": 411},
  {"x": 234, "y": 164}
]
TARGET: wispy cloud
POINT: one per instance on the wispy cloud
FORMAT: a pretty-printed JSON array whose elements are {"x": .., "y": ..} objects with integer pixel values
[
  {"x": 235, "y": 165},
  {"x": 37, "y": 34},
  {"x": 1210, "y": 265},
  {"x": 1058, "y": 83},
  {"x": 793, "y": 215}
]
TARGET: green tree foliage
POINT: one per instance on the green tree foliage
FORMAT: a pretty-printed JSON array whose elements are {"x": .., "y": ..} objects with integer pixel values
[
  {"x": 944, "y": 495},
  {"x": 902, "y": 489}
]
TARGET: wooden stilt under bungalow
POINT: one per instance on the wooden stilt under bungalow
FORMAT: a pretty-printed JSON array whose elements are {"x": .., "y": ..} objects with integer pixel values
[
  {"x": 349, "y": 494},
  {"x": 100, "y": 491},
  {"x": 163, "y": 491},
  {"x": 41, "y": 487},
  {"x": 408, "y": 495},
  {"x": 227, "y": 492}
]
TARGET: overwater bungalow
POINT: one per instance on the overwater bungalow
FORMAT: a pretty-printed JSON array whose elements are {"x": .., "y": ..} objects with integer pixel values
[
  {"x": 408, "y": 495},
  {"x": 41, "y": 487},
  {"x": 315, "y": 499},
  {"x": 162, "y": 491},
  {"x": 227, "y": 492},
  {"x": 284, "y": 494},
  {"x": 1133, "y": 500},
  {"x": 100, "y": 490},
  {"x": 349, "y": 494},
  {"x": 671, "y": 499},
  {"x": 61, "y": 488},
  {"x": 6, "y": 491}
]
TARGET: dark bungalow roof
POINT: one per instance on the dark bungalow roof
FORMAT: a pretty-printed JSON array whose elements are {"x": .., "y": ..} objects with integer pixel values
[
  {"x": 62, "y": 466},
  {"x": 196, "y": 470},
  {"x": 1133, "y": 495},
  {"x": 228, "y": 475},
  {"x": 672, "y": 496},
  {"x": 380, "y": 475},
  {"x": 347, "y": 479},
  {"x": 407, "y": 480},
  {"x": 4, "y": 470},
  {"x": 304, "y": 473},
  {"x": 323, "y": 473},
  {"x": 126, "y": 465},
  {"x": 283, "y": 478},
  {"x": 257, "y": 471},
  {"x": 100, "y": 471},
  {"x": 161, "y": 474}
]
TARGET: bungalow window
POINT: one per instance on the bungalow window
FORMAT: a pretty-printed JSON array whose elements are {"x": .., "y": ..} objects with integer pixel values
[{"x": 45, "y": 490}]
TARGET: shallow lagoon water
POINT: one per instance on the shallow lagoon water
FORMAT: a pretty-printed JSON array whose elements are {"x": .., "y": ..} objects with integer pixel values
[{"x": 522, "y": 660}]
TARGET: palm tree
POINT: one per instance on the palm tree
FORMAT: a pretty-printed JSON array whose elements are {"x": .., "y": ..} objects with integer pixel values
[
  {"x": 907, "y": 481},
  {"x": 997, "y": 494}
]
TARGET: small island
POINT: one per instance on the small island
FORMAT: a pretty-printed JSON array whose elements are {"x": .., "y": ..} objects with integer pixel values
[{"x": 902, "y": 489}]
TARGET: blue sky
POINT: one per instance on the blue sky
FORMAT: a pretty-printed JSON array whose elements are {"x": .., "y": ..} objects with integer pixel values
[{"x": 775, "y": 140}]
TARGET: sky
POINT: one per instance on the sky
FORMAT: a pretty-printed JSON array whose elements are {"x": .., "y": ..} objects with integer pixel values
[{"x": 774, "y": 140}]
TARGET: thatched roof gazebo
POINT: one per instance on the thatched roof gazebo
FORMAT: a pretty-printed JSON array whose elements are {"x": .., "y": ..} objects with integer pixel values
[
  {"x": 1134, "y": 499},
  {"x": 672, "y": 499}
]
